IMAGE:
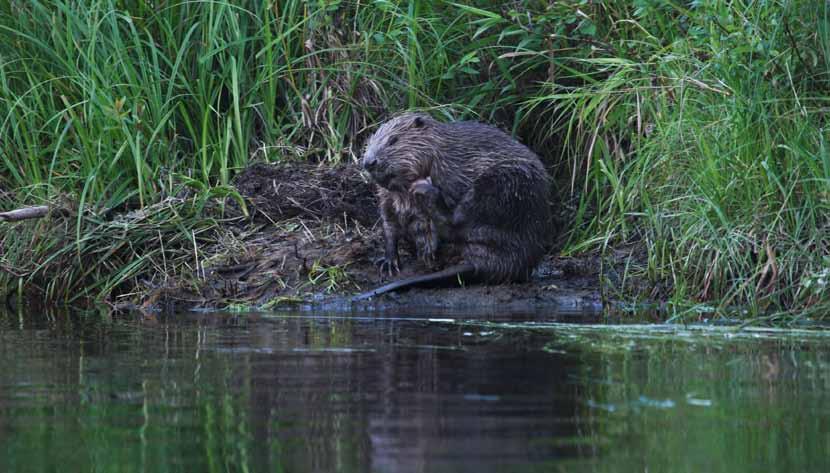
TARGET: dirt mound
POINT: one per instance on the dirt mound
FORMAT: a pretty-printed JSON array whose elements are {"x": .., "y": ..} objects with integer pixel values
[
  {"x": 287, "y": 190},
  {"x": 313, "y": 239}
]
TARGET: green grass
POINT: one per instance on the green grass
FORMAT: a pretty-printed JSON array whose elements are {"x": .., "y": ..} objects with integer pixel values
[
  {"x": 693, "y": 130},
  {"x": 725, "y": 175}
]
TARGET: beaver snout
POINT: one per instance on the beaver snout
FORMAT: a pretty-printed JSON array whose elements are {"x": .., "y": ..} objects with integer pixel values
[
  {"x": 380, "y": 173},
  {"x": 370, "y": 162}
]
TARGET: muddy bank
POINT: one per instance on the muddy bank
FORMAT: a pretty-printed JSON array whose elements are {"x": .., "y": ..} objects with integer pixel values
[{"x": 311, "y": 241}]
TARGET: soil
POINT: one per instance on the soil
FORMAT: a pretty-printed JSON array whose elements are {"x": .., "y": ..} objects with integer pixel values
[{"x": 311, "y": 242}]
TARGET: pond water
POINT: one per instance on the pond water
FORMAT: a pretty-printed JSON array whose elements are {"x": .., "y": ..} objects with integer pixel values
[{"x": 407, "y": 392}]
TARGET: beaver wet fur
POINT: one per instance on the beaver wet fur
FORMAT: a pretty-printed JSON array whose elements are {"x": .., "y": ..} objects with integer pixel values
[
  {"x": 467, "y": 182},
  {"x": 429, "y": 222}
]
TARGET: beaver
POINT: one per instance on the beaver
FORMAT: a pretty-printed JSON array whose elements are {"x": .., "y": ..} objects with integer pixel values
[{"x": 471, "y": 184}]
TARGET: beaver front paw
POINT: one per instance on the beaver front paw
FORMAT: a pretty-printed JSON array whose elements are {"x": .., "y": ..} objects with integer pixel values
[{"x": 425, "y": 194}]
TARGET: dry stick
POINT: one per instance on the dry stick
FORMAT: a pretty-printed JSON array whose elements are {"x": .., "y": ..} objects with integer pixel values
[{"x": 24, "y": 213}]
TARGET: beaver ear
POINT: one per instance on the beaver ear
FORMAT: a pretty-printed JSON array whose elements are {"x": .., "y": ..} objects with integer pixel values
[{"x": 418, "y": 122}]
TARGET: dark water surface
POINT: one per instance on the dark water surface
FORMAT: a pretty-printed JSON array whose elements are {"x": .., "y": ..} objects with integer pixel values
[{"x": 298, "y": 393}]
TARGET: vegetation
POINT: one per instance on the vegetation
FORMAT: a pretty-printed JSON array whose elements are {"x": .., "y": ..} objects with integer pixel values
[{"x": 689, "y": 131}]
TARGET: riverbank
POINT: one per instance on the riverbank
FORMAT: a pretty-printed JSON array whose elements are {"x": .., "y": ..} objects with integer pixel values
[
  {"x": 307, "y": 236},
  {"x": 688, "y": 141}
]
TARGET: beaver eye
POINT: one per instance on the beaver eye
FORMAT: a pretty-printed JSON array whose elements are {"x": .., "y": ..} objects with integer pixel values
[{"x": 392, "y": 141}]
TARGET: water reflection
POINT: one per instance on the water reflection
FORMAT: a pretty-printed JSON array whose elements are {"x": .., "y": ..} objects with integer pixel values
[{"x": 220, "y": 392}]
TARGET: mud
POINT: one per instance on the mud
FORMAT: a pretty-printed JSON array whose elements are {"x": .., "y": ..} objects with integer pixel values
[
  {"x": 307, "y": 190},
  {"x": 311, "y": 242}
]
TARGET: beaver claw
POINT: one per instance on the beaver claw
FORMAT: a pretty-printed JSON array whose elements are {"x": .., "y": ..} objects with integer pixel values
[
  {"x": 391, "y": 266},
  {"x": 426, "y": 249}
]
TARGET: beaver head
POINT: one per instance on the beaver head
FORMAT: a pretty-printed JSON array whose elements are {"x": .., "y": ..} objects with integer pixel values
[{"x": 401, "y": 151}]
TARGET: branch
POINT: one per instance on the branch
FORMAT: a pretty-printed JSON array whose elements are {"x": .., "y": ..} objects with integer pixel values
[{"x": 24, "y": 213}]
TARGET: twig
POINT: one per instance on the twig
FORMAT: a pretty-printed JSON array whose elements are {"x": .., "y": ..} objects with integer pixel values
[{"x": 24, "y": 213}]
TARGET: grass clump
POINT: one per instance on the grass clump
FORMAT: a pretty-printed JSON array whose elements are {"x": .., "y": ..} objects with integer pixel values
[
  {"x": 693, "y": 132},
  {"x": 706, "y": 142},
  {"x": 72, "y": 258}
]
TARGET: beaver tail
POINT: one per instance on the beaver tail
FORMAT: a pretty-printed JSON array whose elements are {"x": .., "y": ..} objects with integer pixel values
[{"x": 447, "y": 274}]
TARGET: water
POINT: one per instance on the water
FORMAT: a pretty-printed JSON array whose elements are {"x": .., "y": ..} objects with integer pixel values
[{"x": 293, "y": 393}]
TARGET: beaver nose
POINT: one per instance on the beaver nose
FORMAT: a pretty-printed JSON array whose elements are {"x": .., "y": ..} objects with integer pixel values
[{"x": 369, "y": 162}]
